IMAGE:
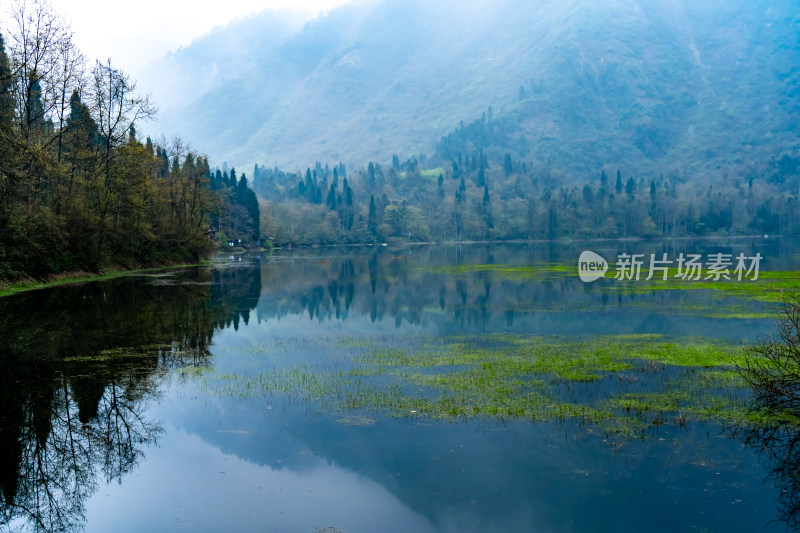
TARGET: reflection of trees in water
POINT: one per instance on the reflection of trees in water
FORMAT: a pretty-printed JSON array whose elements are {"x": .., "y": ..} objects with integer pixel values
[
  {"x": 772, "y": 369},
  {"x": 780, "y": 450},
  {"x": 82, "y": 366},
  {"x": 60, "y": 455},
  {"x": 467, "y": 288},
  {"x": 408, "y": 287}
]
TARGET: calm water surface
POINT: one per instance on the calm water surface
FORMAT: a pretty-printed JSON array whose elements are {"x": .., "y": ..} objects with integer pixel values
[{"x": 134, "y": 405}]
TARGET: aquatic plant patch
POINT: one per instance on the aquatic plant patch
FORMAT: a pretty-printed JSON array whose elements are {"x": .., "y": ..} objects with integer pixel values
[{"x": 627, "y": 385}]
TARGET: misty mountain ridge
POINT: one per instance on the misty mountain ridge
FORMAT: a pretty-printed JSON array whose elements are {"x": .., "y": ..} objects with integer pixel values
[{"x": 700, "y": 90}]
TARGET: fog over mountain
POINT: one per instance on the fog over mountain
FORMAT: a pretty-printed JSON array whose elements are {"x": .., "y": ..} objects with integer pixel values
[{"x": 678, "y": 87}]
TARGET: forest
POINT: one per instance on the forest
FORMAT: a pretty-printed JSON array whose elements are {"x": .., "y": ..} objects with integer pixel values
[
  {"x": 78, "y": 190},
  {"x": 466, "y": 193}
]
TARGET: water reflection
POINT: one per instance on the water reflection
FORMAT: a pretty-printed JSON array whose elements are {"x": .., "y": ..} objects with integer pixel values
[
  {"x": 83, "y": 368},
  {"x": 506, "y": 288},
  {"x": 224, "y": 492},
  {"x": 80, "y": 367},
  {"x": 779, "y": 448}
]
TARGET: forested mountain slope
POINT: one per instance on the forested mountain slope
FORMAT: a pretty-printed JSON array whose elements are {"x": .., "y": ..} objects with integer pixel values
[{"x": 700, "y": 90}]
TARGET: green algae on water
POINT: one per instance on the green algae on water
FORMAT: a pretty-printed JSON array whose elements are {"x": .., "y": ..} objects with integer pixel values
[{"x": 626, "y": 385}]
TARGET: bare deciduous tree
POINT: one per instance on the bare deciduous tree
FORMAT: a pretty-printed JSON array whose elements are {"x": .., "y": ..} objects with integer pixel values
[
  {"x": 116, "y": 104},
  {"x": 37, "y": 39}
]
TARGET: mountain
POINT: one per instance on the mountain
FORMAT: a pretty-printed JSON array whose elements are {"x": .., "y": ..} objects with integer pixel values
[{"x": 694, "y": 90}]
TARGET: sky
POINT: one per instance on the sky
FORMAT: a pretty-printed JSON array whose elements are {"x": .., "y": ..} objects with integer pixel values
[{"x": 133, "y": 34}]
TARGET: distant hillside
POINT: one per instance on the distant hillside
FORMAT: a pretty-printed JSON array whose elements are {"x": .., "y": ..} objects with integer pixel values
[{"x": 691, "y": 90}]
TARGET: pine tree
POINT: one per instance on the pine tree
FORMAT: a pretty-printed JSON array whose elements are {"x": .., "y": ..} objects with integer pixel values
[
  {"x": 372, "y": 217},
  {"x": 6, "y": 98},
  {"x": 461, "y": 193},
  {"x": 507, "y": 166},
  {"x": 487, "y": 208},
  {"x": 618, "y": 185},
  {"x": 331, "y": 200},
  {"x": 34, "y": 107},
  {"x": 348, "y": 214},
  {"x": 630, "y": 186}
]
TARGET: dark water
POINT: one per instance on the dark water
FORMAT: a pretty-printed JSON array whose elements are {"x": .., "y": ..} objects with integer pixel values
[{"x": 114, "y": 419}]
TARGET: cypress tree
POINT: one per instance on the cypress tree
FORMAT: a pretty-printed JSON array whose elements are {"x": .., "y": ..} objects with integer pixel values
[
  {"x": 507, "y": 166},
  {"x": 6, "y": 99},
  {"x": 331, "y": 200},
  {"x": 372, "y": 217}
]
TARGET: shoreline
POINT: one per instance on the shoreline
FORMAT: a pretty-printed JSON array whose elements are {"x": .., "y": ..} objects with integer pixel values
[
  {"x": 71, "y": 278},
  {"x": 76, "y": 277},
  {"x": 565, "y": 240}
]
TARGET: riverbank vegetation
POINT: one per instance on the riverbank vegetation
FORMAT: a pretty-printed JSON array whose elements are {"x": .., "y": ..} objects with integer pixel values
[{"x": 79, "y": 191}]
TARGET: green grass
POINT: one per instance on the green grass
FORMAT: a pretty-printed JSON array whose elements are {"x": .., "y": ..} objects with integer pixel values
[
  {"x": 537, "y": 272},
  {"x": 626, "y": 385},
  {"x": 770, "y": 287}
]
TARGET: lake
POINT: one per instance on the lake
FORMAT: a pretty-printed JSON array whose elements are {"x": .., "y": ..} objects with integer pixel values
[{"x": 424, "y": 388}]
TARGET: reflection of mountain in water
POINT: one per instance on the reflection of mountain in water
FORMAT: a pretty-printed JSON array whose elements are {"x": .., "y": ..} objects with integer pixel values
[
  {"x": 483, "y": 288},
  {"x": 79, "y": 366},
  {"x": 497, "y": 476}
]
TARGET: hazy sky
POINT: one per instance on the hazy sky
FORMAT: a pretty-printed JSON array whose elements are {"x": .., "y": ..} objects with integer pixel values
[{"x": 135, "y": 33}]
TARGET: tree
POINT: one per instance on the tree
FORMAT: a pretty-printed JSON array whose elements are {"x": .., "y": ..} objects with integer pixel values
[
  {"x": 772, "y": 370},
  {"x": 487, "y": 208},
  {"x": 630, "y": 187},
  {"x": 39, "y": 38},
  {"x": 372, "y": 217},
  {"x": 331, "y": 199},
  {"x": 116, "y": 108},
  {"x": 507, "y": 166},
  {"x": 772, "y": 367},
  {"x": 618, "y": 185},
  {"x": 371, "y": 174},
  {"x": 6, "y": 95},
  {"x": 77, "y": 189}
]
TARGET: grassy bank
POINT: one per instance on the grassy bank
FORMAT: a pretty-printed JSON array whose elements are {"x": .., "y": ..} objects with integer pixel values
[{"x": 68, "y": 278}]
